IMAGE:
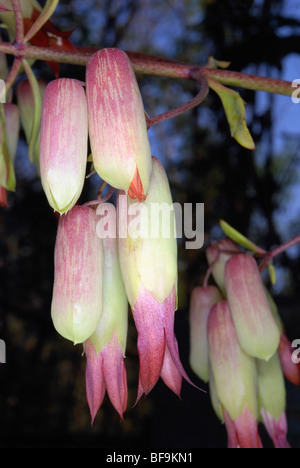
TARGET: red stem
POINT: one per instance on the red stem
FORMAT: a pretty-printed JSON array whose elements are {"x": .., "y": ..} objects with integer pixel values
[{"x": 277, "y": 251}]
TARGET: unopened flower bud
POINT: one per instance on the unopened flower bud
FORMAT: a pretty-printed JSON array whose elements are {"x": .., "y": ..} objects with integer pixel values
[
  {"x": 63, "y": 147},
  {"x": 255, "y": 326},
  {"x": 117, "y": 123},
  {"x": 77, "y": 292}
]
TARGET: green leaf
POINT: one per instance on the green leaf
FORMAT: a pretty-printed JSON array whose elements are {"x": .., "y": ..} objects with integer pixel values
[
  {"x": 37, "y": 108},
  {"x": 45, "y": 15},
  {"x": 237, "y": 237},
  {"x": 234, "y": 107},
  {"x": 8, "y": 177},
  {"x": 272, "y": 273},
  {"x": 214, "y": 63}
]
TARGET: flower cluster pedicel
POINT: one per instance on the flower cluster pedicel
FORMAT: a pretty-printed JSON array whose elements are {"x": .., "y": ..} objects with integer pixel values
[
  {"x": 117, "y": 123},
  {"x": 63, "y": 146}
]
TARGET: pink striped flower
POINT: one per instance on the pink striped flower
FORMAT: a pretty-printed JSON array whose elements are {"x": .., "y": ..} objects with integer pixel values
[
  {"x": 234, "y": 376},
  {"x": 255, "y": 325},
  {"x": 149, "y": 270},
  {"x": 77, "y": 292},
  {"x": 63, "y": 146},
  {"x": 105, "y": 348},
  {"x": 117, "y": 123},
  {"x": 106, "y": 371}
]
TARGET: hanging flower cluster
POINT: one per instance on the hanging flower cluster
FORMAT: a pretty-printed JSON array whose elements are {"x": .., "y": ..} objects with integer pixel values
[
  {"x": 239, "y": 346},
  {"x": 97, "y": 274}
]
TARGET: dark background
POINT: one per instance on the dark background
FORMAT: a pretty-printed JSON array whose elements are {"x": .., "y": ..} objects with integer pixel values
[{"x": 42, "y": 396}]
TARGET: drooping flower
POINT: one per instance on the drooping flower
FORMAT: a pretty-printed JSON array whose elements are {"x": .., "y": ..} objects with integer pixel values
[
  {"x": 77, "y": 292},
  {"x": 117, "y": 123},
  {"x": 105, "y": 348},
  {"x": 202, "y": 300},
  {"x": 234, "y": 377},
  {"x": 149, "y": 269},
  {"x": 272, "y": 400},
  {"x": 64, "y": 139},
  {"x": 256, "y": 328}
]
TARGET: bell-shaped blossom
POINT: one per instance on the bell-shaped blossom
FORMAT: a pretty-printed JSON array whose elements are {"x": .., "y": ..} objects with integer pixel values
[
  {"x": 234, "y": 374},
  {"x": 78, "y": 260},
  {"x": 117, "y": 123},
  {"x": 148, "y": 258},
  {"x": 105, "y": 348},
  {"x": 272, "y": 400},
  {"x": 256, "y": 328},
  {"x": 63, "y": 145},
  {"x": 106, "y": 371},
  {"x": 202, "y": 300}
]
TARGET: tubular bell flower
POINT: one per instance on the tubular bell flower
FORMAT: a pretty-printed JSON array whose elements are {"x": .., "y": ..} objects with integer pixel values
[
  {"x": 256, "y": 328},
  {"x": 117, "y": 123},
  {"x": 149, "y": 269},
  {"x": 63, "y": 147},
  {"x": 234, "y": 377},
  {"x": 202, "y": 300},
  {"x": 78, "y": 259},
  {"x": 272, "y": 400},
  {"x": 105, "y": 348}
]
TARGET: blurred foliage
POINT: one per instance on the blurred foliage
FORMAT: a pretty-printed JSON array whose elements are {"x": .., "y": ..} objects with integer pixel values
[{"x": 42, "y": 394}]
